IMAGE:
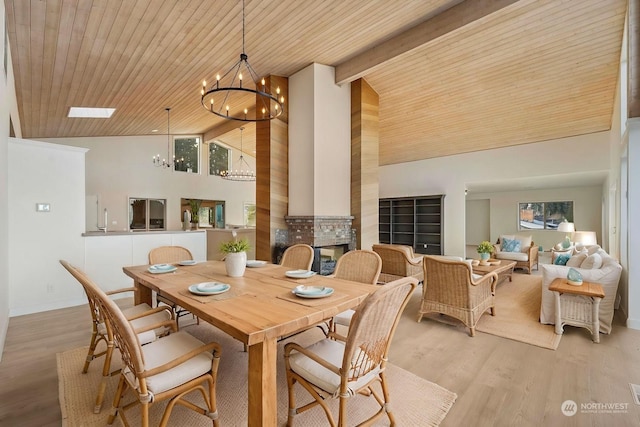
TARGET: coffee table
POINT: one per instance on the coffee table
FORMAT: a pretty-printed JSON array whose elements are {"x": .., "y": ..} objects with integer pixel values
[{"x": 504, "y": 270}]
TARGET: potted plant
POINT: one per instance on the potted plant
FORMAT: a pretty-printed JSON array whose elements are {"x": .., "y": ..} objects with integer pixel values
[
  {"x": 235, "y": 260},
  {"x": 194, "y": 204},
  {"x": 484, "y": 249}
]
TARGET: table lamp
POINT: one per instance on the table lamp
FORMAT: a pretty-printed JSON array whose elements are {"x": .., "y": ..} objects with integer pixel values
[
  {"x": 585, "y": 238},
  {"x": 566, "y": 227}
]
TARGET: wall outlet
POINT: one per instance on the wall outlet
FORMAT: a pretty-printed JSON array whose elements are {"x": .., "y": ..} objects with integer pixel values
[
  {"x": 114, "y": 222},
  {"x": 49, "y": 288}
]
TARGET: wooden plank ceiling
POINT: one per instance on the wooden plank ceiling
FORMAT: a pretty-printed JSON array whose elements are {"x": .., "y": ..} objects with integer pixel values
[{"x": 531, "y": 71}]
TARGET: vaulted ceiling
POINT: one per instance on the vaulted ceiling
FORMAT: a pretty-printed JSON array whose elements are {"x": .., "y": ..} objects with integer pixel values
[{"x": 453, "y": 76}]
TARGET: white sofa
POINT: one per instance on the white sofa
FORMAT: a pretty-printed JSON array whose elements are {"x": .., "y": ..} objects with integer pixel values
[{"x": 607, "y": 275}]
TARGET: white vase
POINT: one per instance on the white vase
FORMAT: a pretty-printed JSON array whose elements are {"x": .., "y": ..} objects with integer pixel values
[{"x": 235, "y": 263}]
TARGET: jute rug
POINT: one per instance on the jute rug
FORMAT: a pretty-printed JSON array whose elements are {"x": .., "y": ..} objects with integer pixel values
[
  {"x": 517, "y": 314},
  {"x": 415, "y": 401}
]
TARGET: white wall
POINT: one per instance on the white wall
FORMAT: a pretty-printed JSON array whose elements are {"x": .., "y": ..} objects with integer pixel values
[
  {"x": 450, "y": 175},
  {"x": 44, "y": 173},
  {"x": 477, "y": 221},
  {"x": 587, "y": 209},
  {"x": 120, "y": 167},
  {"x": 319, "y": 143},
  {"x": 8, "y": 109},
  {"x": 633, "y": 227}
]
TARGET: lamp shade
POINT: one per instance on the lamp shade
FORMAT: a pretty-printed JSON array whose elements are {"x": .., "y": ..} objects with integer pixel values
[
  {"x": 585, "y": 238},
  {"x": 566, "y": 227}
]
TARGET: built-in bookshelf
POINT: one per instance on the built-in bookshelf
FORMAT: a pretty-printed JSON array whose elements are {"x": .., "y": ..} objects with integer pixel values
[{"x": 413, "y": 221}]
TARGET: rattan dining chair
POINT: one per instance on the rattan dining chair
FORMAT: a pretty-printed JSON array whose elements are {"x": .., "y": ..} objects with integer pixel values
[
  {"x": 451, "y": 288},
  {"x": 141, "y": 317},
  {"x": 361, "y": 266},
  {"x": 346, "y": 369},
  {"x": 169, "y": 255},
  {"x": 298, "y": 257},
  {"x": 167, "y": 368}
]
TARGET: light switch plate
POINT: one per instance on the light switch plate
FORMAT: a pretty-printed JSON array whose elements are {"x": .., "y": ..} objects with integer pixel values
[{"x": 43, "y": 207}]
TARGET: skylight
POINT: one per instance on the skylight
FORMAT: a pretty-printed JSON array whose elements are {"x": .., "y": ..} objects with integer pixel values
[{"x": 89, "y": 112}]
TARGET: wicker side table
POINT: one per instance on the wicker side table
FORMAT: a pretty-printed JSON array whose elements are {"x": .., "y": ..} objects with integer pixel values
[{"x": 578, "y": 306}]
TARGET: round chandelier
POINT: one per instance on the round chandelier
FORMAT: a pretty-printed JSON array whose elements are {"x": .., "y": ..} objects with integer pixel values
[
  {"x": 240, "y": 174},
  {"x": 240, "y": 94}
]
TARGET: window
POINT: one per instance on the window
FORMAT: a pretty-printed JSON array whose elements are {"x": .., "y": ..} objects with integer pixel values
[
  {"x": 219, "y": 157},
  {"x": 210, "y": 212},
  {"x": 544, "y": 215},
  {"x": 147, "y": 214},
  {"x": 249, "y": 214},
  {"x": 187, "y": 153}
]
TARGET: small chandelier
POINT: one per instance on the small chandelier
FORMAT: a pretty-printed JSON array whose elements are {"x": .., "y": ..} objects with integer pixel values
[
  {"x": 225, "y": 97},
  {"x": 156, "y": 159},
  {"x": 240, "y": 174}
]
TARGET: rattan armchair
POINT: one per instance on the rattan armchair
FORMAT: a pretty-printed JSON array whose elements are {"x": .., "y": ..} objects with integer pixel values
[
  {"x": 450, "y": 288},
  {"x": 141, "y": 317},
  {"x": 167, "y": 368},
  {"x": 169, "y": 255},
  {"x": 358, "y": 266},
  {"x": 399, "y": 261},
  {"x": 347, "y": 369},
  {"x": 298, "y": 257}
]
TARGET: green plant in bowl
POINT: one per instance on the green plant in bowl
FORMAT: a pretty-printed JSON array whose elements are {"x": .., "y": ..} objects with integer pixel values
[
  {"x": 485, "y": 247},
  {"x": 235, "y": 246}
]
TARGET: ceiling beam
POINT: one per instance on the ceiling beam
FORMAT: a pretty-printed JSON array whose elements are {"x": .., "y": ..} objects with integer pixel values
[{"x": 450, "y": 20}]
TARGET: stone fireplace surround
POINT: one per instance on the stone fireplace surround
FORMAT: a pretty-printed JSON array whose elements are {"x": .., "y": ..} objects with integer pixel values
[{"x": 318, "y": 232}]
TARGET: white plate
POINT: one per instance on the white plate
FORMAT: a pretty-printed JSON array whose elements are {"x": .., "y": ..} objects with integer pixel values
[
  {"x": 253, "y": 263},
  {"x": 299, "y": 274},
  {"x": 325, "y": 293},
  {"x": 162, "y": 268},
  {"x": 215, "y": 291},
  {"x": 309, "y": 290},
  {"x": 188, "y": 262}
]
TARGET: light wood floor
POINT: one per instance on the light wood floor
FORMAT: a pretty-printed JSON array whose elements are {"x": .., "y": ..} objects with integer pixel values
[{"x": 499, "y": 382}]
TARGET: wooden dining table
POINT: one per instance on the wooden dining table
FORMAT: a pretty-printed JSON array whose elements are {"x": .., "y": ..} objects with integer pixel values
[{"x": 258, "y": 309}]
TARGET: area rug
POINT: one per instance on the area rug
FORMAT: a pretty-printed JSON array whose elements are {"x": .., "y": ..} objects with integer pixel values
[
  {"x": 517, "y": 314},
  {"x": 415, "y": 401}
]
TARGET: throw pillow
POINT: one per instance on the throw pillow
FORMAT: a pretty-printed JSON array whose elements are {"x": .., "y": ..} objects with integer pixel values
[
  {"x": 593, "y": 249},
  {"x": 592, "y": 262},
  {"x": 562, "y": 259},
  {"x": 577, "y": 260},
  {"x": 511, "y": 245}
]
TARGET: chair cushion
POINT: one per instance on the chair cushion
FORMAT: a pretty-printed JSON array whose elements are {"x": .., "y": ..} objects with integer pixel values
[
  {"x": 592, "y": 262},
  {"x": 562, "y": 259},
  {"x": 332, "y": 351},
  {"x": 344, "y": 318},
  {"x": 513, "y": 256},
  {"x": 147, "y": 336},
  {"x": 165, "y": 350},
  {"x": 525, "y": 242},
  {"x": 510, "y": 245}
]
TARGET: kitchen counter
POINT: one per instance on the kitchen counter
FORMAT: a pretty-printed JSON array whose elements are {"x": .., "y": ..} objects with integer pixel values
[{"x": 129, "y": 233}]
